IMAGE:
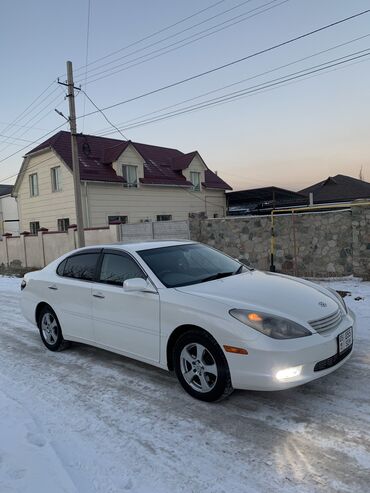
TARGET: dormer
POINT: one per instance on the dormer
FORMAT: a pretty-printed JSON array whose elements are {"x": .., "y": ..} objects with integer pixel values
[
  {"x": 130, "y": 165},
  {"x": 194, "y": 170}
]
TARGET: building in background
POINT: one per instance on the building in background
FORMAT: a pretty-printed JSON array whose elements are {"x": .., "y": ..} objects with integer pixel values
[
  {"x": 337, "y": 189},
  {"x": 120, "y": 181},
  {"x": 262, "y": 200},
  {"x": 9, "y": 220}
]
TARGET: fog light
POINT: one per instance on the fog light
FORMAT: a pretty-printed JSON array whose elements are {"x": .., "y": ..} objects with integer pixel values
[{"x": 288, "y": 373}]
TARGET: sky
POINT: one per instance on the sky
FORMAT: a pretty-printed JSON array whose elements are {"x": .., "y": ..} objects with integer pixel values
[{"x": 289, "y": 135}]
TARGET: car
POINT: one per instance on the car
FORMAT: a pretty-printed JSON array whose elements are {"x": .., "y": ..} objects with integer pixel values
[{"x": 186, "y": 307}]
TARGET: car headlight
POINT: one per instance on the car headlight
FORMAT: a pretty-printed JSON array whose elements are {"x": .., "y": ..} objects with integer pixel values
[
  {"x": 341, "y": 301},
  {"x": 270, "y": 325}
]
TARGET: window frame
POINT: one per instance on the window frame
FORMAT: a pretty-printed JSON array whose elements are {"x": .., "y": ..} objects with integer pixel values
[
  {"x": 78, "y": 254},
  {"x": 33, "y": 191},
  {"x": 34, "y": 222},
  {"x": 56, "y": 184},
  {"x": 198, "y": 187},
  {"x": 63, "y": 219},
  {"x": 124, "y": 174},
  {"x": 118, "y": 215},
  {"x": 164, "y": 215},
  {"x": 121, "y": 253}
]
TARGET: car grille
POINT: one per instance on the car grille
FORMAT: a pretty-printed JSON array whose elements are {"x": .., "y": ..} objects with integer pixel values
[
  {"x": 327, "y": 323},
  {"x": 332, "y": 361}
]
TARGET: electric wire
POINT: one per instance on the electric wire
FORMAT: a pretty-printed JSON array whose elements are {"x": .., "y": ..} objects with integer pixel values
[
  {"x": 173, "y": 46},
  {"x": 236, "y": 95},
  {"x": 151, "y": 45},
  {"x": 150, "y": 35},
  {"x": 340, "y": 45},
  {"x": 233, "y": 62}
]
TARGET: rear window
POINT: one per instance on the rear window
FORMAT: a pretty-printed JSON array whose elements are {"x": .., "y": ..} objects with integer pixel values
[{"x": 82, "y": 266}]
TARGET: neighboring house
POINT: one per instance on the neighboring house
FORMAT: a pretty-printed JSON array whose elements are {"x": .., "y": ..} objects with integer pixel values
[
  {"x": 261, "y": 200},
  {"x": 120, "y": 181},
  {"x": 339, "y": 188},
  {"x": 9, "y": 221}
]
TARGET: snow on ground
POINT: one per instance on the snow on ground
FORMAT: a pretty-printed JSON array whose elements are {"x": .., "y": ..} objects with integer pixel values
[{"x": 85, "y": 420}]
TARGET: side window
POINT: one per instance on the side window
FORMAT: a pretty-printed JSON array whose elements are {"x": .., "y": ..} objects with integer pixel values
[
  {"x": 60, "y": 269},
  {"x": 116, "y": 269},
  {"x": 82, "y": 266}
]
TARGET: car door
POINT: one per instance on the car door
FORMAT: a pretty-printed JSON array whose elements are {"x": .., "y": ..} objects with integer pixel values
[
  {"x": 71, "y": 291},
  {"x": 125, "y": 321}
]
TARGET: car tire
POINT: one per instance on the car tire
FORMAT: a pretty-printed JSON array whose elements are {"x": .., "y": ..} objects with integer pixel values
[
  {"x": 50, "y": 330},
  {"x": 201, "y": 366}
]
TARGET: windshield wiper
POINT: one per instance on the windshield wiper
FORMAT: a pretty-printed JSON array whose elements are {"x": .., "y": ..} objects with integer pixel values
[{"x": 219, "y": 275}]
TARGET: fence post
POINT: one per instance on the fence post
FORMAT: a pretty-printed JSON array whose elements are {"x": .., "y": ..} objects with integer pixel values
[
  {"x": 24, "y": 246},
  {"x": 6, "y": 236},
  {"x": 40, "y": 234},
  {"x": 115, "y": 231},
  {"x": 71, "y": 236}
]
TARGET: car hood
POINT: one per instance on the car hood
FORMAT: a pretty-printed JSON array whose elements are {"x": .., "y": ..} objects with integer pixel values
[{"x": 272, "y": 293}]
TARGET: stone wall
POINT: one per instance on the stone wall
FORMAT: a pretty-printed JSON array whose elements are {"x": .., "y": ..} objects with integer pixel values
[{"x": 314, "y": 244}]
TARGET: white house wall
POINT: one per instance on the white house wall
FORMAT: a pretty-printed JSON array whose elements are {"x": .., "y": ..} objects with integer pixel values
[
  {"x": 109, "y": 199},
  {"x": 48, "y": 206},
  {"x": 146, "y": 202}
]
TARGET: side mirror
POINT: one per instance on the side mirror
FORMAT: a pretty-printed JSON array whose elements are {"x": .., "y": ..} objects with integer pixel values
[{"x": 138, "y": 284}]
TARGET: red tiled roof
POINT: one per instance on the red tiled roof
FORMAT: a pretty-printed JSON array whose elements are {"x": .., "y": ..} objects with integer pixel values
[{"x": 162, "y": 165}]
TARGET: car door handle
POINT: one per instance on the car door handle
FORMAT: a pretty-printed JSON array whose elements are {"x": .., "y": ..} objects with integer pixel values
[
  {"x": 53, "y": 287},
  {"x": 98, "y": 295}
]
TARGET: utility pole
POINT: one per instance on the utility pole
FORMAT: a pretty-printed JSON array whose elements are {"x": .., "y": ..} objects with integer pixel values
[{"x": 75, "y": 162}]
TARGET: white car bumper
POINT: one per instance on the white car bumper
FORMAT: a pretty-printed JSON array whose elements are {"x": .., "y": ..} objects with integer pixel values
[{"x": 316, "y": 356}]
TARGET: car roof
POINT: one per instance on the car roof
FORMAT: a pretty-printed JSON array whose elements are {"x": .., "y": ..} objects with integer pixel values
[{"x": 141, "y": 245}]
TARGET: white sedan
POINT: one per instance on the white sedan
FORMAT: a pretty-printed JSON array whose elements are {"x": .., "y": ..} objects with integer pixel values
[{"x": 186, "y": 307}]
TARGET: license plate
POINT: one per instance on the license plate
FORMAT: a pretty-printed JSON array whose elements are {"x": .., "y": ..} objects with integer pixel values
[{"x": 345, "y": 340}]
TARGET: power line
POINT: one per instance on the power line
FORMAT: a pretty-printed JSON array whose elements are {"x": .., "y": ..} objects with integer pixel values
[
  {"x": 192, "y": 39},
  {"x": 32, "y": 118},
  {"x": 31, "y": 143},
  {"x": 151, "y": 35},
  {"x": 87, "y": 52},
  {"x": 251, "y": 90},
  {"x": 172, "y": 36},
  {"x": 19, "y": 117},
  {"x": 104, "y": 115},
  {"x": 105, "y": 131},
  {"x": 234, "y": 62}
]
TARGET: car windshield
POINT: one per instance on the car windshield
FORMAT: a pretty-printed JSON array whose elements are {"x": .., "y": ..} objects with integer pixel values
[{"x": 182, "y": 265}]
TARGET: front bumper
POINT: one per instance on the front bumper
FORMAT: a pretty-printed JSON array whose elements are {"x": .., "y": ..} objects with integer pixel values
[{"x": 258, "y": 369}]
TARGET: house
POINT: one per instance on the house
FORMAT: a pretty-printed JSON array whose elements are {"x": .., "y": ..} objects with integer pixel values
[
  {"x": 261, "y": 200},
  {"x": 9, "y": 222},
  {"x": 120, "y": 181},
  {"x": 336, "y": 189}
]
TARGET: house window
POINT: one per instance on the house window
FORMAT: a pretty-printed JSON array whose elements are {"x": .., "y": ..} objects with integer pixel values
[
  {"x": 130, "y": 175},
  {"x": 63, "y": 224},
  {"x": 34, "y": 227},
  {"x": 164, "y": 217},
  {"x": 56, "y": 179},
  {"x": 34, "y": 185},
  {"x": 114, "y": 219},
  {"x": 195, "y": 179}
]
